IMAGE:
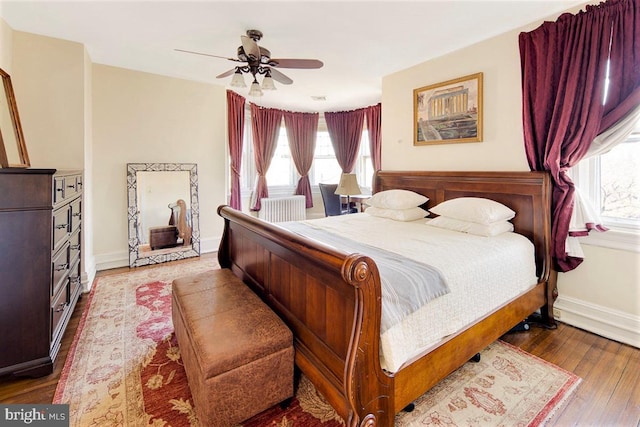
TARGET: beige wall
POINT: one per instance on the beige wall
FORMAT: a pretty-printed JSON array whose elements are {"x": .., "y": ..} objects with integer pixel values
[
  {"x": 603, "y": 294},
  {"x": 501, "y": 149},
  {"x": 6, "y": 46},
  {"x": 48, "y": 78},
  {"x": 138, "y": 118}
]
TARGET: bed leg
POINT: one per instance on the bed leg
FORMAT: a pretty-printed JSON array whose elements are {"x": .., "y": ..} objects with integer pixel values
[
  {"x": 547, "y": 319},
  {"x": 410, "y": 407},
  {"x": 475, "y": 358}
]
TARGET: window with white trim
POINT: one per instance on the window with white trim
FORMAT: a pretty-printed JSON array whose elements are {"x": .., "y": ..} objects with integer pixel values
[
  {"x": 282, "y": 176},
  {"x": 611, "y": 182}
]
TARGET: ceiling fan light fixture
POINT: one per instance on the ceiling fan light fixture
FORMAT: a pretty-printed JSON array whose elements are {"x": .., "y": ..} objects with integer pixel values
[
  {"x": 267, "y": 82},
  {"x": 257, "y": 61},
  {"x": 238, "y": 79},
  {"x": 255, "y": 89}
]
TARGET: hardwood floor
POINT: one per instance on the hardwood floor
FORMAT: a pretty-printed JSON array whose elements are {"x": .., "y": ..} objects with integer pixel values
[{"x": 609, "y": 394}]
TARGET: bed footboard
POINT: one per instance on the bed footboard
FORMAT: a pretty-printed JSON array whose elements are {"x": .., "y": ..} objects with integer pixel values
[{"x": 332, "y": 303}]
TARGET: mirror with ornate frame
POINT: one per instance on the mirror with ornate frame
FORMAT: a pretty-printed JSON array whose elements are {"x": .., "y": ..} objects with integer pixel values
[
  {"x": 13, "y": 151},
  {"x": 163, "y": 212}
]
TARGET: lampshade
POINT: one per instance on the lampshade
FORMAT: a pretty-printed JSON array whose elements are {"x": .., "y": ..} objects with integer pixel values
[
  {"x": 238, "y": 79},
  {"x": 255, "y": 89},
  {"x": 348, "y": 185},
  {"x": 267, "y": 83}
]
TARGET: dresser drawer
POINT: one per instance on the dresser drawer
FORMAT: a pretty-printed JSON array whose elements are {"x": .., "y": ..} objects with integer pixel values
[
  {"x": 58, "y": 189},
  {"x": 58, "y": 308},
  {"x": 74, "y": 246},
  {"x": 75, "y": 214},
  {"x": 60, "y": 226},
  {"x": 73, "y": 186},
  {"x": 66, "y": 187},
  {"x": 59, "y": 269},
  {"x": 75, "y": 278}
]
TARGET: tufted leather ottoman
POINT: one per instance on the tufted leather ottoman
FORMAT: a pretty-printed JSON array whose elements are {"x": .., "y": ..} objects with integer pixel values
[{"x": 238, "y": 354}]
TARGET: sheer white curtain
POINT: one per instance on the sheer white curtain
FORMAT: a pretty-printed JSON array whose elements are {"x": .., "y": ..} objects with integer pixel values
[{"x": 585, "y": 216}]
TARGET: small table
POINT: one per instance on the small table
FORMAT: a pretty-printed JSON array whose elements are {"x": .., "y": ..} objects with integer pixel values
[{"x": 360, "y": 199}]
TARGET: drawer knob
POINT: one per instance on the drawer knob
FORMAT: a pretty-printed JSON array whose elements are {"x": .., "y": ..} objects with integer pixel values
[
  {"x": 75, "y": 247},
  {"x": 61, "y": 307},
  {"x": 60, "y": 226}
]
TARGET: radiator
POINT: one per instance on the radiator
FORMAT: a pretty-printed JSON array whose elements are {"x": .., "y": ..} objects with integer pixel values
[{"x": 280, "y": 209}]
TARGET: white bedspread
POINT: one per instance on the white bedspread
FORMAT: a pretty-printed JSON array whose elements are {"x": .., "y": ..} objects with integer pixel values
[{"x": 482, "y": 273}]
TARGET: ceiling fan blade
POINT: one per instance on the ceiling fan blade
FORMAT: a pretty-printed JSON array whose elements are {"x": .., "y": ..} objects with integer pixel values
[
  {"x": 208, "y": 54},
  {"x": 279, "y": 77},
  {"x": 296, "y": 63},
  {"x": 250, "y": 47},
  {"x": 226, "y": 74}
]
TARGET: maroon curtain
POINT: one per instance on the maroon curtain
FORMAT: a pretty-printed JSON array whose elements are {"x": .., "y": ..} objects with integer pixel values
[
  {"x": 374, "y": 120},
  {"x": 623, "y": 93},
  {"x": 563, "y": 79},
  {"x": 235, "y": 124},
  {"x": 302, "y": 129},
  {"x": 265, "y": 124},
  {"x": 345, "y": 131}
]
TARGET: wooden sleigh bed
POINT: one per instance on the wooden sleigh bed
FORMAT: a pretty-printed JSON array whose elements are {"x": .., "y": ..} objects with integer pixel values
[{"x": 331, "y": 300}]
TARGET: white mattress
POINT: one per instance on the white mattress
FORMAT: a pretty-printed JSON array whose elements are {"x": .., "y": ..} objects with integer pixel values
[{"x": 482, "y": 273}]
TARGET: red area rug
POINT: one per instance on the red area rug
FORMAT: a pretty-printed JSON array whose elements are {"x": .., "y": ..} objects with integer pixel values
[{"x": 124, "y": 369}]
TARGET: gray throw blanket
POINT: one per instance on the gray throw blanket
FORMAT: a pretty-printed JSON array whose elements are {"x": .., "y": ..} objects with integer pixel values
[{"x": 406, "y": 284}]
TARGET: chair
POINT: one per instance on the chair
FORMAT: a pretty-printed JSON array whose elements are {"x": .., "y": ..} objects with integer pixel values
[{"x": 332, "y": 204}]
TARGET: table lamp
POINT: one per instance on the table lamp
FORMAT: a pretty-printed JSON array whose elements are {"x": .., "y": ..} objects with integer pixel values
[{"x": 348, "y": 186}]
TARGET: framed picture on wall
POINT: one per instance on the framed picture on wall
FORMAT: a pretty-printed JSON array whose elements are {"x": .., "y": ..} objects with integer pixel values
[{"x": 448, "y": 112}]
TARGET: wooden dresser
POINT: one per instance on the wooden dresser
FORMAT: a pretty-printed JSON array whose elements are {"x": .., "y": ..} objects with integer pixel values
[{"x": 40, "y": 271}]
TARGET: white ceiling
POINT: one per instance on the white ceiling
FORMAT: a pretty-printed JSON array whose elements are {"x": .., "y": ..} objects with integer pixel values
[{"x": 358, "y": 41}]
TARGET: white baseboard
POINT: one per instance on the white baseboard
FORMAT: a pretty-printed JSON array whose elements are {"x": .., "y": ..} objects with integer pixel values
[
  {"x": 604, "y": 321},
  {"x": 210, "y": 244},
  {"x": 112, "y": 260},
  {"x": 121, "y": 258},
  {"x": 89, "y": 273}
]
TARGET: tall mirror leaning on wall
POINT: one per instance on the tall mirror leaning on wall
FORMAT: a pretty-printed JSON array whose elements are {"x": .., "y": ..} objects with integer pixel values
[{"x": 163, "y": 212}]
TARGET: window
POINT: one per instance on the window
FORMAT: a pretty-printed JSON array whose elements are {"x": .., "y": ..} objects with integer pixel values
[
  {"x": 620, "y": 183},
  {"x": 611, "y": 182},
  {"x": 282, "y": 176}
]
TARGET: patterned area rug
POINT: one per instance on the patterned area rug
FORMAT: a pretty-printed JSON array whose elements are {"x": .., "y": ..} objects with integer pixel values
[{"x": 124, "y": 369}]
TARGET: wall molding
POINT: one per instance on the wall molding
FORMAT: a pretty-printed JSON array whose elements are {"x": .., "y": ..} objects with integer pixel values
[
  {"x": 112, "y": 260},
  {"x": 613, "y": 324},
  {"x": 89, "y": 273},
  {"x": 614, "y": 239},
  {"x": 121, "y": 258}
]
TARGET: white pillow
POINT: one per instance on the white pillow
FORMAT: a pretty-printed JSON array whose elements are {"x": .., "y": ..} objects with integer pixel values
[
  {"x": 410, "y": 214},
  {"x": 396, "y": 199},
  {"x": 492, "y": 229},
  {"x": 474, "y": 209}
]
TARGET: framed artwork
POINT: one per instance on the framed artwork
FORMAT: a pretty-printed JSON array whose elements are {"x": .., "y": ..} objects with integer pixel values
[
  {"x": 448, "y": 112},
  {"x": 13, "y": 150}
]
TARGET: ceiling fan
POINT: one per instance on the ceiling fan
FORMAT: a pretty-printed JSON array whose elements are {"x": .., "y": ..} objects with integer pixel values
[{"x": 257, "y": 60}]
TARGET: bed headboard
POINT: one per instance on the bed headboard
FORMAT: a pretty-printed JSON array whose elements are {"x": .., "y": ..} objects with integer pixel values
[{"x": 527, "y": 193}]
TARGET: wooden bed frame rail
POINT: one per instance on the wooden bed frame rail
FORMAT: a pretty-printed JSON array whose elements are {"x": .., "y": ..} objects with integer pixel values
[{"x": 331, "y": 300}]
